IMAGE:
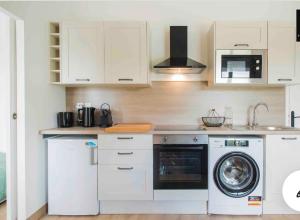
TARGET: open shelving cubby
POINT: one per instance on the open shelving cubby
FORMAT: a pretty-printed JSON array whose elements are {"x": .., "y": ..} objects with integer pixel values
[{"x": 55, "y": 51}]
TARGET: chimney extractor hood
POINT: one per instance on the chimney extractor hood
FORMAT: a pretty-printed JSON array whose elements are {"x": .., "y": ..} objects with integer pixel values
[{"x": 179, "y": 61}]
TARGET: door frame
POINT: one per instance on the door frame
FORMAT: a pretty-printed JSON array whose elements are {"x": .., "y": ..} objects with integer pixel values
[{"x": 14, "y": 88}]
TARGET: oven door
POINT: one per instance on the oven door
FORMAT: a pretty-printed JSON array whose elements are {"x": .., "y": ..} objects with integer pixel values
[
  {"x": 180, "y": 166},
  {"x": 241, "y": 66}
]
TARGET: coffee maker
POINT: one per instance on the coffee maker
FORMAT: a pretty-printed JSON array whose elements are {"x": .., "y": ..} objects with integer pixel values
[{"x": 86, "y": 116}]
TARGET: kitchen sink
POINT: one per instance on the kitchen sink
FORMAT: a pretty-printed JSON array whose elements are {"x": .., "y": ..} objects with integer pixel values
[{"x": 264, "y": 128}]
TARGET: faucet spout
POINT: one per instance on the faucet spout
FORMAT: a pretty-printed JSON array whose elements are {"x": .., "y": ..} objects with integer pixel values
[{"x": 254, "y": 123}]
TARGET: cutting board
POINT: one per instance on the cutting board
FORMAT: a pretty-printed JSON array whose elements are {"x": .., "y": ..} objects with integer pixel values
[{"x": 129, "y": 128}]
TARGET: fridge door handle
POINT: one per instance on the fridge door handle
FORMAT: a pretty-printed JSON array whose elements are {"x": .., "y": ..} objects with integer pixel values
[{"x": 94, "y": 160}]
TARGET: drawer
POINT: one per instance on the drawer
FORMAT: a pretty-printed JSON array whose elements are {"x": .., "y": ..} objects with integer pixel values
[
  {"x": 125, "y": 140},
  {"x": 125, "y": 182},
  {"x": 127, "y": 156}
]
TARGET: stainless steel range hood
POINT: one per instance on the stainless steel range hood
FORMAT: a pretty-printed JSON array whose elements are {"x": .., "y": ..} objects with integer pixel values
[{"x": 179, "y": 61}]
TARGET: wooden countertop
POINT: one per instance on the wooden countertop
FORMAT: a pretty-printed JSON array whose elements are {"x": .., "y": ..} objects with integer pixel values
[{"x": 208, "y": 131}]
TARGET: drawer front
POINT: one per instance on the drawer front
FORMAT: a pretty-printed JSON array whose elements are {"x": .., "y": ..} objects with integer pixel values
[
  {"x": 125, "y": 140},
  {"x": 125, "y": 182},
  {"x": 125, "y": 156}
]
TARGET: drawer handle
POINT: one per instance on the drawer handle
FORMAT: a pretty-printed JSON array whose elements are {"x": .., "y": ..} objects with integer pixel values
[
  {"x": 241, "y": 45},
  {"x": 284, "y": 80},
  {"x": 125, "y": 138},
  {"x": 123, "y": 79},
  {"x": 125, "y": 153},
  {"x": 86, "y": 80},
  {"x": 125, "y": 168},
  {"x": 289, "y": 139}
]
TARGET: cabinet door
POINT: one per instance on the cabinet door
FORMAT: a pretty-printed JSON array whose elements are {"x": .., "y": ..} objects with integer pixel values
[
  {"x": 241, "y": 35},
  {"x": 281, "y": 53},
  {"x": 83, "y": 53},
  {"x": 125, "y": 182},
  {"x": 126, "y": 53},
  {"x": 282, "y": 158}
]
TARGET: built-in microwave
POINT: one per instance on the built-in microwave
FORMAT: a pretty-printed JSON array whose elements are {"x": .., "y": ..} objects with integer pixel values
[{"x": 241, "y": 66}]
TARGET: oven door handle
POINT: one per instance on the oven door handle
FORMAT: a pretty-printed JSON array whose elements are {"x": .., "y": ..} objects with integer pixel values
[{"x": 181, "y": 148}]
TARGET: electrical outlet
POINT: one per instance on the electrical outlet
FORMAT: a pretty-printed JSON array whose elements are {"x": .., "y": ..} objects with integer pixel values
[
  {"x": 87, "y": 104},
  {"x": 79, "y": 105}
]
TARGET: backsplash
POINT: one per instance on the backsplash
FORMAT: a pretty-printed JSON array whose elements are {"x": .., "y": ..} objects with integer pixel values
[{"x": 180, "y": 102}]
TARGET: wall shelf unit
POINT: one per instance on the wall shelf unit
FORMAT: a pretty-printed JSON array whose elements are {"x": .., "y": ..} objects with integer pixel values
[{"x": 55, "y": 51}]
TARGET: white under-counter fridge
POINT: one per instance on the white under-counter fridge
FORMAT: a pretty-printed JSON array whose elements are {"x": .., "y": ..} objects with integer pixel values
[{"x": 72, "y": 175}]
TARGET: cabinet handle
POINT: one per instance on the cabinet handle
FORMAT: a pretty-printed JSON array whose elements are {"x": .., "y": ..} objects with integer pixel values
[
  {"x": 86, "y": 80},
  {"x": 125, "y": 138},
  {"x": 125, "y": 153},
  {"x": 93, "y": 161},
  {"x": 289, "y": 139},
  {"x": 125, "y": 79},
  {"x": 125, "y": 168},
  {"x": 241, "y": 45},
  {"x": 284, "y": 79}
]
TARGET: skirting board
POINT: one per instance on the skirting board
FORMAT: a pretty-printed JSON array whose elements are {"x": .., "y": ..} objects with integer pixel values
[
  {"x": 153, "y": 207},
  {"x": 39, "y": 213}
]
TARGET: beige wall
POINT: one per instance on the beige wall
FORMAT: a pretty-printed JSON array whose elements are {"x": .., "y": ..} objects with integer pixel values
[{"x": 180, "y": 102}]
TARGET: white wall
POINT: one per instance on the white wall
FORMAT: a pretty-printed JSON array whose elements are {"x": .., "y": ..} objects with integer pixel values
[{"x": 43, "y": 100}]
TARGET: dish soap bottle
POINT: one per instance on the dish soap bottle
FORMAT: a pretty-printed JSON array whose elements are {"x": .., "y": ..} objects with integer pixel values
[{"x": 228, "y": 114}]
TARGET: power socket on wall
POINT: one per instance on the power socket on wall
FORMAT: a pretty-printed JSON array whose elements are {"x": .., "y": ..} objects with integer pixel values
[{"x": 80, "y": 105}]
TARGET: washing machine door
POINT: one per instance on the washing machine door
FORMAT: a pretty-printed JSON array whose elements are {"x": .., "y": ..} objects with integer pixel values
[{"x": 236, "y": 174}]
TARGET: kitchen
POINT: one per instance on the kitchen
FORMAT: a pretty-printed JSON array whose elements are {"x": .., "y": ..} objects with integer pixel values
[{"x": 172, "y": 103}]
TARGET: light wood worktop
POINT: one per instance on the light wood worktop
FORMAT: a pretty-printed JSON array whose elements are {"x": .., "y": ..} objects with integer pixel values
[{"x": 186, "y": 130}]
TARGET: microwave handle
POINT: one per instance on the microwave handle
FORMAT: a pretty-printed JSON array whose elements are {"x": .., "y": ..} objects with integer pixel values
[{"x": 241, "y": 45}]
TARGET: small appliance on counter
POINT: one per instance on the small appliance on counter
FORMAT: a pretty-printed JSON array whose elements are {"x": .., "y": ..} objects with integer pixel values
[
  {"x": 105, "y": 116},
  {"x": 86, "y": 117},
  {"x": 65, "y": 119}
]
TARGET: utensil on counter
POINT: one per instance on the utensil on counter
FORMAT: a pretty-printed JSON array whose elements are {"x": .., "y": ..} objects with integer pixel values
[
  {"x": 105, "y": 116},
  {"x": 129, "y": 128},
  {"x": 86, "y": 117},
  {"x": 213, "y": 119},
  {"x": 65, "y": 119}
]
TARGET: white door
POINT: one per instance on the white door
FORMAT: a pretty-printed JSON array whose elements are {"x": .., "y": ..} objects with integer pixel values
[
  {"x": 82, "y": 53},
  {"x": 72, "y": 177},
  {"x": 281, "y": 53},
  {"x": 126, "y": 52},
  {"x": 241, "y": 35},
  {"x": 11, "y": 55},
  {"x": 126, "y": 182}
]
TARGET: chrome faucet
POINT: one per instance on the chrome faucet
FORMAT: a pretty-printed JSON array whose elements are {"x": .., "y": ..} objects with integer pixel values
[{"x": 254, "y": 123}]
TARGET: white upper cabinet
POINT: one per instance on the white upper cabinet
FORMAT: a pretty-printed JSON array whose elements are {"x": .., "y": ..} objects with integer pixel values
[
  {"x": 241, "y": 35},
  {"x": 281, "y": 53},
  {"x": 82, "y": 53},
  {"x": 126, "y": 60}
]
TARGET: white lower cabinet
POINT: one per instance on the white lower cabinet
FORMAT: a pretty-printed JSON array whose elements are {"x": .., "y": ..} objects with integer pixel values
[
  {"x": 125, "y": 170},
  {"x": 282, "y": 158},
  {"x": 125, "y": 182}
]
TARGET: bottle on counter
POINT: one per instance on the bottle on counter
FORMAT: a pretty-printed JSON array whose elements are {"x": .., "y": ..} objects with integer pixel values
[{"x": 228, "y": 114}]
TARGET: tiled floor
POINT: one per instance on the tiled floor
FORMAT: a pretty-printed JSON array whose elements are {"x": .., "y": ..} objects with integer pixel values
[
  {"x": 3, "y": 211},
  {"x": 176, "y": 217}
]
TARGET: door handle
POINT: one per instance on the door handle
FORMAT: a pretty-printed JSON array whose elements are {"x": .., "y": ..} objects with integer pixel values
[
  {"x": 125, "y": 168},
  {"x": 125, "y": 153},
  {"x": 293, "y": 117},
  {"x": 289, "y": 139},
  {"x": 125, "y": 138},
  {"x": 80, "y": 80},
  {"x": 125, "y": 79},
  {"x": 94, "y": 160},
  {"x": 241, "y": 45},
  {"x": 282, "y": 80}
]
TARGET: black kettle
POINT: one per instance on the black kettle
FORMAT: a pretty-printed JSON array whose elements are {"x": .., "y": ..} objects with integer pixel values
[
  {"x": 86, "y": 117},
  {"x": 105, "y": 116}
]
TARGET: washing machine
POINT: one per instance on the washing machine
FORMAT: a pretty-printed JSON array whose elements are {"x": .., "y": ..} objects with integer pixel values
[{"x": 235, "y": 175}]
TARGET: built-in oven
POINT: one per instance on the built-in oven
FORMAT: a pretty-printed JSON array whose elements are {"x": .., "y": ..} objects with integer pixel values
[
  {"x": 241, "y": 66},
  {"x": 180, "y": 162}
]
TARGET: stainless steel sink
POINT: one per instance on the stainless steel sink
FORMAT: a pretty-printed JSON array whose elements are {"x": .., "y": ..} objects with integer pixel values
[{"x": 264, "y": 128}]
